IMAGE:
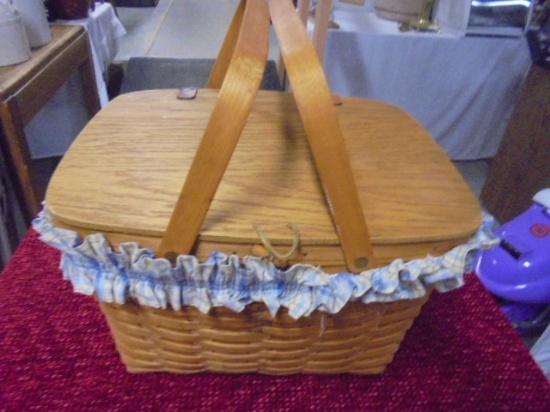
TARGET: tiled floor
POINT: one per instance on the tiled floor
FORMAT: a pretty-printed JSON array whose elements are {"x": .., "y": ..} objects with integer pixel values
[{"x": 177, "y": 28}]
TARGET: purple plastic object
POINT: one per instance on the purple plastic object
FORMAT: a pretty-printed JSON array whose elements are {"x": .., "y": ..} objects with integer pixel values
[
  {"x": 518, "y": 268},
  {"x": 522, "y": 312}
]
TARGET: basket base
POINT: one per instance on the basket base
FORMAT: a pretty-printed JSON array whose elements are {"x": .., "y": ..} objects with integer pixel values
[{"x": 360, "y": 339}]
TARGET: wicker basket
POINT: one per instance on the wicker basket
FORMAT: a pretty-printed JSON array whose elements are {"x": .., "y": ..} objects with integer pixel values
[{"x": 360, "y": 338}]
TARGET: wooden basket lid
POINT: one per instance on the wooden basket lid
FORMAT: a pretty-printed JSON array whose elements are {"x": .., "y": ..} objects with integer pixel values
[{"x": 124, "y": 172}]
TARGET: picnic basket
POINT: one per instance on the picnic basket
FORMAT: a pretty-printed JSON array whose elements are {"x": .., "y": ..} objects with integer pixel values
[{"x": 288, "y": 180}]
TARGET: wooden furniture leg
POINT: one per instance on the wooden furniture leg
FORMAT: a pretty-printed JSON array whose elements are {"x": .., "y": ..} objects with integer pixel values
[
  {"x": 15, "y": 139},
  {"x": 89, "y": 86},
  {"x": 27, "y": 87}
]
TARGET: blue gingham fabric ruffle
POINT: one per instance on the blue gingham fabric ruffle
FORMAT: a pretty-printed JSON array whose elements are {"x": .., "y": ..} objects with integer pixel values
[{"x": 94, "y": 267}]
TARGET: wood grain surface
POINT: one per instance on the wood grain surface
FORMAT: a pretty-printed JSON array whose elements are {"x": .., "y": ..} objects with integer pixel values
[
  {"x": 122, "y": 176},
  {"x": 12, "y": 76},
  {"x": 26, "y": 87},
  {"x": 315, "y": 105},
  {"x": 241, "y": 82}
]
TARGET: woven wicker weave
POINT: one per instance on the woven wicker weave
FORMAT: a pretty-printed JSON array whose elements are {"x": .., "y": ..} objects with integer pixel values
[{"x": 360, "y": 339}]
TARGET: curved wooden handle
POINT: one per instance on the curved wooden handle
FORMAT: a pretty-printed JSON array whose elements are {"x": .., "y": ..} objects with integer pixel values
[
  {"x": 314, "y": 101},
  {"x": 241, "y": 76},
  {"x": 217, "y": 75}
]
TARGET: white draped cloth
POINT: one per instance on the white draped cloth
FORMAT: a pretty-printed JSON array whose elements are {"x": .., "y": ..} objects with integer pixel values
[
  {"x": 461, "y": 89},
  {"x": 54, "y": 128}
]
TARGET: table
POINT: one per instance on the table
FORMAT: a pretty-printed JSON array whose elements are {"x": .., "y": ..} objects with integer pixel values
[
  {"x": 49, "y": 138},
  {"x": 25, "y": 89},
  {"x": 462, "y": 89},
  {"x": 56, "y": 353},
  {"x": 104, "y": 29}
]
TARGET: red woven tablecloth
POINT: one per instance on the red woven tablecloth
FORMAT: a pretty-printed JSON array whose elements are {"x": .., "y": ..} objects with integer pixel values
[{"x": 56, "y": 354}]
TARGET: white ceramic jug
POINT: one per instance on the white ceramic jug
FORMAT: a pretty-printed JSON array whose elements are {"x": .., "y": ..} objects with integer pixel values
[
  {"x": 35, "y": 21},
  {"x": 14, "y": 46}
]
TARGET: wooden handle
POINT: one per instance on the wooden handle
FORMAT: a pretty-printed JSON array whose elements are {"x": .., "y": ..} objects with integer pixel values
[
  {"x": 241, "y": 81},
  {"x": 314, "y": 101},
  {"x": 217, "y": 75},
  {"x": 240, "y": 77}
]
